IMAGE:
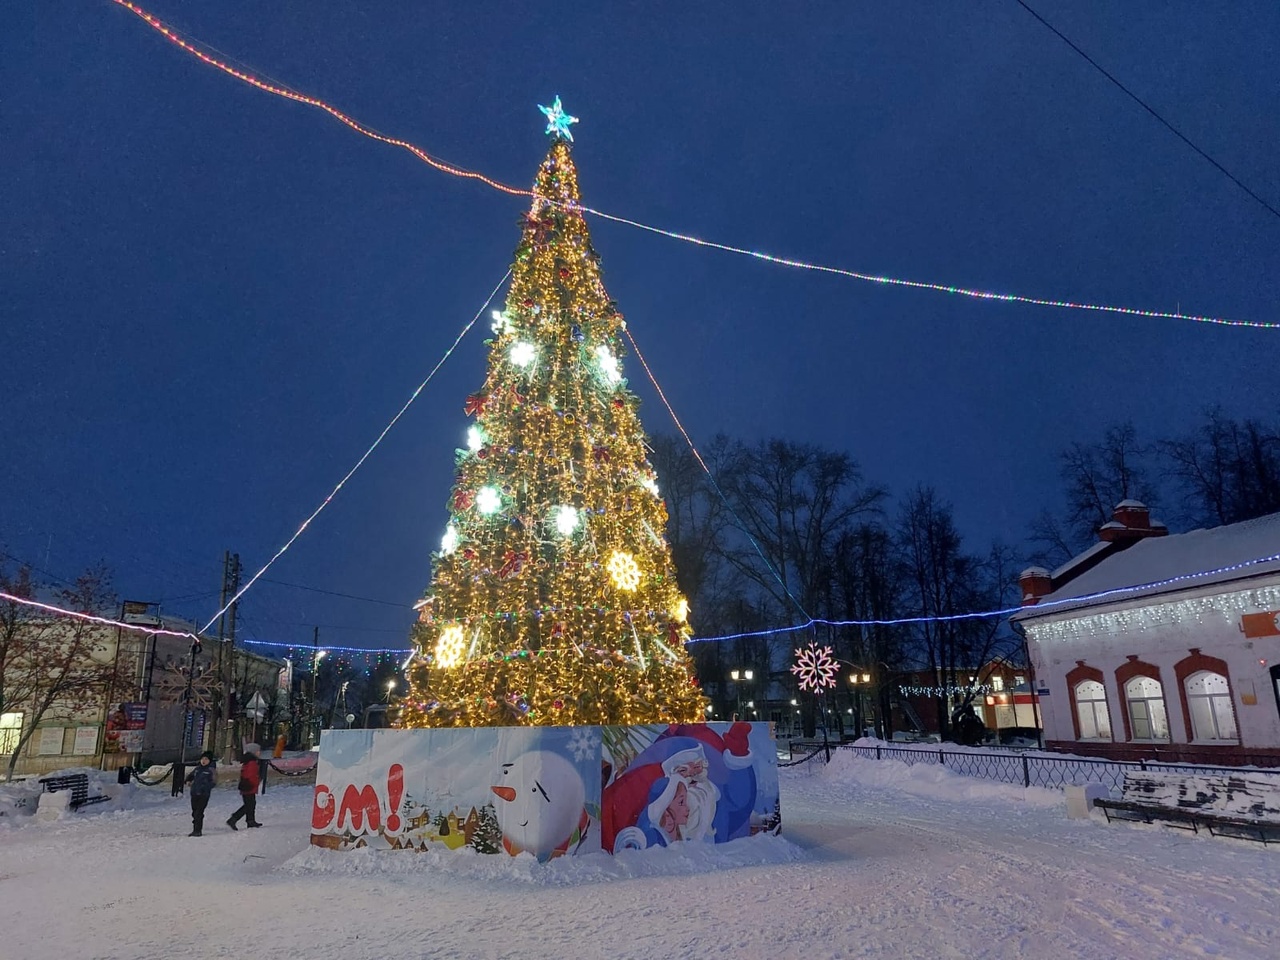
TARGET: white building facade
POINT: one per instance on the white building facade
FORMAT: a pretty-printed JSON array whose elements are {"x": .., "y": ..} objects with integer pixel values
[{"x": 1161, "y": 647}]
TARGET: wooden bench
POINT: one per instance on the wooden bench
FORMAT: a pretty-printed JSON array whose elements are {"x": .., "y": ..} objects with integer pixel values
[
  {"x": 77, "y": 783},
  {"x": 1228, "y": 804}
]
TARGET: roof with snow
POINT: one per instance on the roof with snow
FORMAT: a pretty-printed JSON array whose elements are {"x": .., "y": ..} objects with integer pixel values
[{"x": 1159, "y": 565}]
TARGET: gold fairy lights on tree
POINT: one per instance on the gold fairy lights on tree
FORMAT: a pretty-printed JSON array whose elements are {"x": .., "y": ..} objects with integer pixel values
[{"x": 553, "y": 598}]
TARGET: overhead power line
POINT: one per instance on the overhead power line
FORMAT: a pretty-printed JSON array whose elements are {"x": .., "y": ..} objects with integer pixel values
[
  {"x": 334, "y": 593},
  {"x": 1150, "y": 109}
]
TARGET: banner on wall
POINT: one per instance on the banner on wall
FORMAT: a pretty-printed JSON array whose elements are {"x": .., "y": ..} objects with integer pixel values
[
  {"x": 126, "y": 723},
  {"x": 546, "y": 791}
]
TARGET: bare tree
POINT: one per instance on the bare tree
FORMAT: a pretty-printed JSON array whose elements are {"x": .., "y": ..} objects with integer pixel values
[
  {"x": 1229, "y": 471},
  {"x": 1096, "y": 477},
  {"x": 696, "y": 516},
  {"x": 941, "y": 582},
  {"x": 794, "y": 501},
  {"x": 54, "y": 667}
]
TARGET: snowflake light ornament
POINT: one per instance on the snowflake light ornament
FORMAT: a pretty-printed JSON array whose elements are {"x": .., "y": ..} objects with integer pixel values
[{"x": 816, "y": 668}]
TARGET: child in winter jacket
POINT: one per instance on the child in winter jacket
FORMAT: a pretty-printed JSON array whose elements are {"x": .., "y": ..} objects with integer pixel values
[
  {"x": 201, "y": 779},
  {"x": 249, "y": 782}
]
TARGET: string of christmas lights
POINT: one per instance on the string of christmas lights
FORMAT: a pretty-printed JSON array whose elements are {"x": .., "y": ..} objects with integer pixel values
[
  {"x": 279, "y": 90},
  {"x": 899, "y": 621},
  {"x": 363, "y": 457}
]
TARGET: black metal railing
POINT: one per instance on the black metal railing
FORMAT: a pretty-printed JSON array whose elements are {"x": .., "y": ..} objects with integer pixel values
[{"x": 1041, "y": 771}]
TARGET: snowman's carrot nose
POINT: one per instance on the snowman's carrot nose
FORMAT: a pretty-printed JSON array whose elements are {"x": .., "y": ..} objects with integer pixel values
[{"x": 506, "y": 793}]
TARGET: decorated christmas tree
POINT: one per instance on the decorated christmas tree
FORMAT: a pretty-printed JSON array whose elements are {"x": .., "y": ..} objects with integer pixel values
[{"x": 553, "y": 598}]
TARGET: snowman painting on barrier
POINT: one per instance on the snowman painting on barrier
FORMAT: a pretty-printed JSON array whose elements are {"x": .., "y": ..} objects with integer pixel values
[{"x": 541, "y": 805}]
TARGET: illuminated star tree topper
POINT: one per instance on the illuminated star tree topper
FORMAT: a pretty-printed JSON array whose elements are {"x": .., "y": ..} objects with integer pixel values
[
  {"x": 815, "y": 667},
  {"x": 557, "y": 120}
]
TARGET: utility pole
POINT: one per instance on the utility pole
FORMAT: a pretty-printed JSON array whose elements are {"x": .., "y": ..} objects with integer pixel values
[{"x": 226, "y": 647}]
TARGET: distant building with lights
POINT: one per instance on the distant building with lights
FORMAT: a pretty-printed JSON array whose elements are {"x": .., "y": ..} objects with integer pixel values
[
  {"x": 1154, "y": 646},
  {"x": 161, "y": 695}
]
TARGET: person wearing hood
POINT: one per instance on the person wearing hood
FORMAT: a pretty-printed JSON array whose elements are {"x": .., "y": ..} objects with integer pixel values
[
  {"x": 201, "y": 778},
  {"x": 250, "y": 779}
]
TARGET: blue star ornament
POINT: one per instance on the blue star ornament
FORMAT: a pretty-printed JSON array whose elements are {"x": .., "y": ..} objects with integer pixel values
[{"x": 557, "y": 120}]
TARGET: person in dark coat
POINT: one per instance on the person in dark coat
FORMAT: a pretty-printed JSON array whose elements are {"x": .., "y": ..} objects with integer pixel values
[
  {"x": 201, "y": 779},
  {"x": 249, "y": 782}
]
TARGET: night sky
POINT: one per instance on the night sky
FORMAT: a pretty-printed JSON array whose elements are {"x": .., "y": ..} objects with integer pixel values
[{"x": 213, "y": 299}]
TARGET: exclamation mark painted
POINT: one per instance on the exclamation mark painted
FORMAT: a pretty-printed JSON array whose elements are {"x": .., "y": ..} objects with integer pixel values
[{"x": 395, "y": 793}]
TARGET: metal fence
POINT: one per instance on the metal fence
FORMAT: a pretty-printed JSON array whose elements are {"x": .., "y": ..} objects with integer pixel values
[{"x": 1037, "y": 770}]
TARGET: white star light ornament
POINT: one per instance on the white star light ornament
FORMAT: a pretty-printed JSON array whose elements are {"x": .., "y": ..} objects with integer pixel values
[
  {"x": 488, "y": 501},
  {"x": 523, "y": 354},
  {"x": 449, "y": 542},
  {"x": 566, "y": 518},
  {"x": 608, "y": 365},
  {"x": 557, "y": 120}
]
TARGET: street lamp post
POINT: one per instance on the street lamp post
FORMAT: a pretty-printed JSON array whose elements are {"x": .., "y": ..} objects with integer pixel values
[
  {"x": 744, "y": 675},
  {"x": 855, "y": 679},
  {"x": 313, "y": 714}
]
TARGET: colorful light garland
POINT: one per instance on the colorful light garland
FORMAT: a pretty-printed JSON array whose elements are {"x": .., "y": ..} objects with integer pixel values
[{"x": 170, "y": 34}]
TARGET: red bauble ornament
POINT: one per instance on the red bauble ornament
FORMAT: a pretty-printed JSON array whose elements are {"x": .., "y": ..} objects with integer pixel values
[
  {"x": 564, "y": 273},
  {"x": 558, "y": 703}
]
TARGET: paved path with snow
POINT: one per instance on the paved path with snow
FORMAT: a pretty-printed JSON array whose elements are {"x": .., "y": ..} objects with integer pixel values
[{"x": 877, "y": 860}]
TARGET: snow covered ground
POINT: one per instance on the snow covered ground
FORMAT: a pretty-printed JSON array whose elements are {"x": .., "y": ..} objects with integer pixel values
[{"x": 877, "y": 859}]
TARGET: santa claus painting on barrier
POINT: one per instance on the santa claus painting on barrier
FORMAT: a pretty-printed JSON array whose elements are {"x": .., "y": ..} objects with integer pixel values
[{"x": 690, "y": 784}]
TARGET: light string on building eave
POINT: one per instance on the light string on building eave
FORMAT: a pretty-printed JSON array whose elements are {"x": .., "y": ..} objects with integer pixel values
[
  {"x": 279, "y": 90},
  {"x": 1033, "y": 609},
  {"x": 899, "y": 621},
  {"x": 363, "y": 457}
]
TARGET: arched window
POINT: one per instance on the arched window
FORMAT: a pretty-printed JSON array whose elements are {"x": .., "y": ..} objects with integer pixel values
[
  {"x": 1209, "y": 703},
  {"x": 1146, "y": 709},
  {"x": 1091, "y": 708}
]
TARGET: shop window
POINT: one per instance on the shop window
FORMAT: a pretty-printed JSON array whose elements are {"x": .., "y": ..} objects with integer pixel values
[
  {"x": 1091, "y": 709},
  {"x": 10, "y": 732},
  {"x": 1209, "y": 703},
  {"x": 1147, "y": 714}
]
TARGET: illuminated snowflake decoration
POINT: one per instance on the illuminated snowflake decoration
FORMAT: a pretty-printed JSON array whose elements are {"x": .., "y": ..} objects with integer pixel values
[
  {"x": 169, "y": 685},
  {"x": 815, "y": 668},
  {"x": 449, "y": 542},
  {"x": 623, "y": 570},
  {"x": 451, "y": 647},
  {"x": 557, "y": 120}
]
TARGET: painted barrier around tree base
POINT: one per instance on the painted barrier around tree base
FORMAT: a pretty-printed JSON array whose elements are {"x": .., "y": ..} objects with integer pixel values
[{"x": 547, "y": 791}]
